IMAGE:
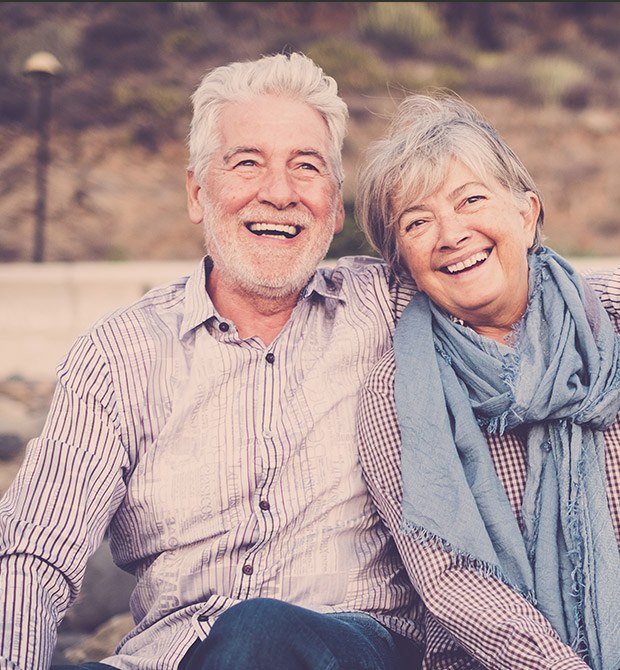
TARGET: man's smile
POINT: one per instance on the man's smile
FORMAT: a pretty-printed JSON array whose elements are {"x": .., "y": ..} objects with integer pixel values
[{"x": 274, "y": 229}]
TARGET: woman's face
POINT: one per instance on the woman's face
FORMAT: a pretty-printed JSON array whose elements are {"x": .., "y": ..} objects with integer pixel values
[{"x": 466, "y": 247}]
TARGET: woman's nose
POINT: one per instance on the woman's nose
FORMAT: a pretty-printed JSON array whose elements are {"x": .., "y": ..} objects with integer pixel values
[{"x": 453, "y": 231}]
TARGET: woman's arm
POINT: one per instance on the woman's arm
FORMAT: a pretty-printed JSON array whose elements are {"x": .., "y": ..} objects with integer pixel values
[
  {"x": 607, "y": 286},
  {"x": 488, "y": 619}
]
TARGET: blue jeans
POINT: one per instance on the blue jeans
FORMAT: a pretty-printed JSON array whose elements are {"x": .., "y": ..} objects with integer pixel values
[
  {"x": 84, "y": 666},
  {"x": 266, "y": 634}
]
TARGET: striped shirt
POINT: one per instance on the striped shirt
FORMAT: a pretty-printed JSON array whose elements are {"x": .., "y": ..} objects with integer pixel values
[
  {"x": 220, "y": 468},
  {"x": 483, "y": 615}
]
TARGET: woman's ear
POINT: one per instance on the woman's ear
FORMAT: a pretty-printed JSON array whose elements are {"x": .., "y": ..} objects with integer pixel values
[
  {"x": 530, "y": 216},
  {"x": 194, "y": 206}
]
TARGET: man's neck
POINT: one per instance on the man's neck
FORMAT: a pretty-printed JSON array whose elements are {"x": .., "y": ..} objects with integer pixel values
[{"x": 253, "y": 316}]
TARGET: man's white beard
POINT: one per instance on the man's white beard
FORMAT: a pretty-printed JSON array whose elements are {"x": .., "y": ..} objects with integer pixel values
[{"x": 279, "y": 275}]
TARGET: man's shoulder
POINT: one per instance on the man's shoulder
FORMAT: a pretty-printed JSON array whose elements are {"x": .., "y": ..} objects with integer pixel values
[
  {"x": 355, "y": 280},
  {"x": 356, "y": 264},
  {"x": 157, "y": 303},
  {"x": 355, "y": 269},
  {"x": 369, "y": 276}
]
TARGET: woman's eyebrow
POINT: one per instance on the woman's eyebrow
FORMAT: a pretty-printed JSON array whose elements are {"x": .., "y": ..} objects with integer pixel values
[{"x": 457, "y": 191}]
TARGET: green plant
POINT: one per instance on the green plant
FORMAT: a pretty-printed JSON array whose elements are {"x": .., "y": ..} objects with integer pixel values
[
  {"x": 355, "y": 67},
  {"x": 162, "y": 102},
  {"x": 351, "y": 241},
  {"x": 401, "y": 25},
  {"x": 186, "y": 41},
  {"x": 555, "y": 77}
]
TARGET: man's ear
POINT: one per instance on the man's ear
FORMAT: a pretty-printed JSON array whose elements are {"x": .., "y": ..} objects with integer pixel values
[
  {"x": 340, "y": 216},
  {"x": 194, "y": 207}
]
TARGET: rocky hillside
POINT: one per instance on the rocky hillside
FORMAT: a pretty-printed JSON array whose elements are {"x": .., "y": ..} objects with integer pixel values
[{"x": 547, "y": 74}]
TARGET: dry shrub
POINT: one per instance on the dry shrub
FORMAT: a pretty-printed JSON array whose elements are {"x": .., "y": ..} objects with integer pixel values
[{"x": 402, "y": 26}]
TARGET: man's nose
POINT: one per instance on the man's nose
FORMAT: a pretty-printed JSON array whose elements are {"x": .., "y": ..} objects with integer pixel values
[{"x": 278, "y": 189}]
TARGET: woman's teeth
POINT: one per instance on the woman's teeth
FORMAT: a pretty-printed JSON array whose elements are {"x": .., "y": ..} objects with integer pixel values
[{"x": 463, "y": 265}]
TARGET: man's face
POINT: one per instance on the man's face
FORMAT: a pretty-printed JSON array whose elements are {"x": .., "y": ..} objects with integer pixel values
[{"x": 270, "y": 202}]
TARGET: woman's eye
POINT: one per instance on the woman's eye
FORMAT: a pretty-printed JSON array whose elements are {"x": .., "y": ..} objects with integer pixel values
[
  {"x": 413, "y": 225},
  {"x": 473, "y": 199}
]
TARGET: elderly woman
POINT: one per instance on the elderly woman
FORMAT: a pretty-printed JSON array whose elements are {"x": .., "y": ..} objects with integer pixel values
[{"x": 500, "y": 399}]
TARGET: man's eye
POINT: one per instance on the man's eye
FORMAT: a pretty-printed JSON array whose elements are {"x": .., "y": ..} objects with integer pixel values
[
  {"x": 308, "y": 166},
  {"x": 248, "y": 162}
]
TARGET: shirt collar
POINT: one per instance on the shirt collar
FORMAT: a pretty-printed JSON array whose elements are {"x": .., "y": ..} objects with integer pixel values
[
  {"x": 198, "y": 305},
  {"x": 325, "y": 283},
  {"x": 199, "y": 308}
]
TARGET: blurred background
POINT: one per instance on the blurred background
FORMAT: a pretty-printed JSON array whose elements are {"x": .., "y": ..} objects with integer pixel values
[
  {"x": 94, "y": 111},
  {"x": 547, "y": 74}
]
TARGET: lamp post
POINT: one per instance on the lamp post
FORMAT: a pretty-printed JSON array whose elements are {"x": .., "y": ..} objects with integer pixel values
[{"x": 42, "y": 66}]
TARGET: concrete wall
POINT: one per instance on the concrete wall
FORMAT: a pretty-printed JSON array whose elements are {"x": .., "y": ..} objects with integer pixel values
[{"x": 43, "y": 307}]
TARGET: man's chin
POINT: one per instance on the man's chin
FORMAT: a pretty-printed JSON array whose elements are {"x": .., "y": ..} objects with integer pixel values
[{"x": 274, "y": 289}]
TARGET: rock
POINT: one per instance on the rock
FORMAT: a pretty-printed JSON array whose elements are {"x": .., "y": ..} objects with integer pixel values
[
  {"x": 66, "y": 640},
  {"x": 11, "y": 446},
  {"x": 17, "y": 418},
  {"x": 8, "y": 470},
  {"x": 23, "y": 408},
  {"x": 99, "y": 618},
  {"x": 35, "y": 395},
  {"x": 102, "y": 643},
  {"x": 105, "y": 593}
]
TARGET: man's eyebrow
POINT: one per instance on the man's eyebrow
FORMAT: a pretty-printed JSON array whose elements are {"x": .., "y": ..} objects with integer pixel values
[
  {"x": 239, "y": 150},
  {"x": 312, "y": 152}
]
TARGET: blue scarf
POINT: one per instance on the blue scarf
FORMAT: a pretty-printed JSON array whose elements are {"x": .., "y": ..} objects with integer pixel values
[{"x": 561, "y": 381}]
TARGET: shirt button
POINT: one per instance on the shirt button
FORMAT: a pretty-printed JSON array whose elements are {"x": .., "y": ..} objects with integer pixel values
[
  {"x": 247, "y": 569},
  {"x": 224, "y": 326},
  {"x": 270, "y": 358},
  {"x": 267, "y": 434},
  {"x": 264, "y": 505}
]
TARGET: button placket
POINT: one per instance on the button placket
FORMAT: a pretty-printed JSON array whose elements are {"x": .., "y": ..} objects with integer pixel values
[{"x": 252, "y": 565}]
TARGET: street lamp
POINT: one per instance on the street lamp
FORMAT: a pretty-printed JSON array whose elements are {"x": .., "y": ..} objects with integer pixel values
[{"x": 42, "y": 66}]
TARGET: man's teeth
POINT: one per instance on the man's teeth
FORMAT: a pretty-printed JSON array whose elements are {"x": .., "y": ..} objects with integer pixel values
[
  {"x": 276, "y": 229},
  {"x": 462, "y": 265}
]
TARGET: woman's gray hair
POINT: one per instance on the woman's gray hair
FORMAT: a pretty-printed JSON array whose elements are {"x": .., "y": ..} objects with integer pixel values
[
  {"x": 292, "y": 75},
  {"x": 426, "y": 133}
]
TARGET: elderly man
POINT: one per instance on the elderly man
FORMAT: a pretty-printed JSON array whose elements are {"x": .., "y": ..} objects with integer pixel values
[{"x": 208, "y": 429}]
